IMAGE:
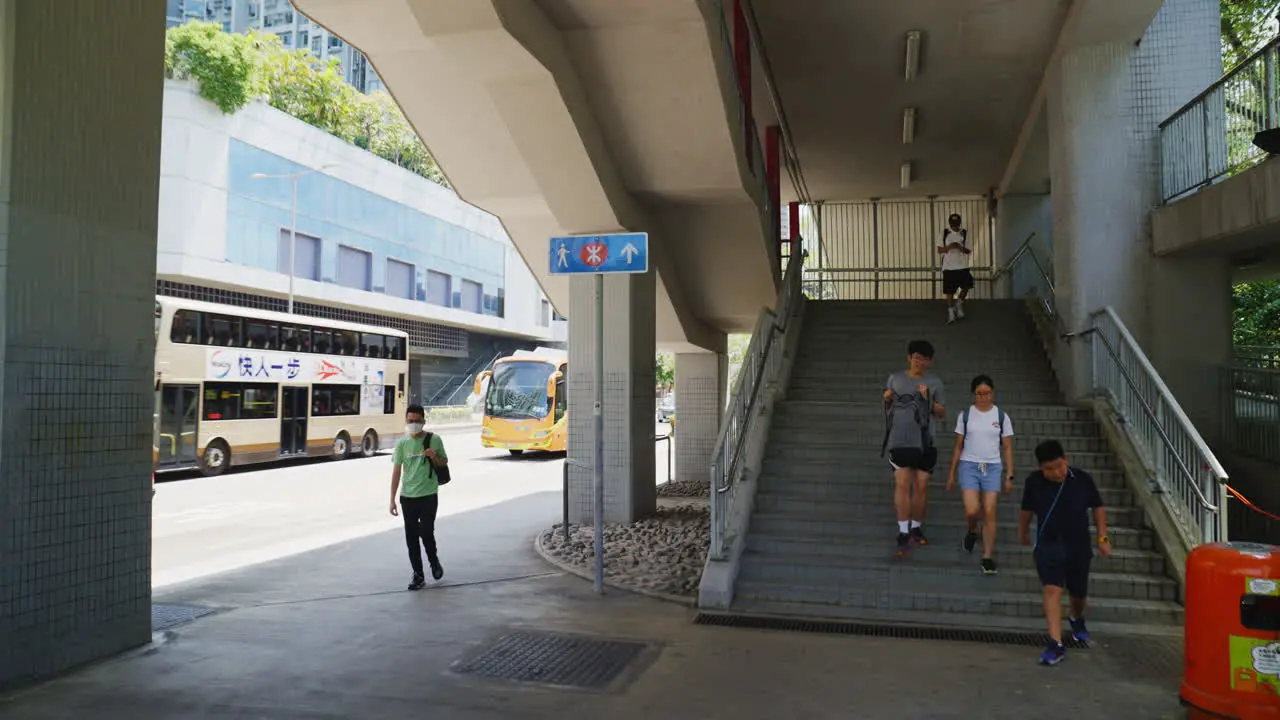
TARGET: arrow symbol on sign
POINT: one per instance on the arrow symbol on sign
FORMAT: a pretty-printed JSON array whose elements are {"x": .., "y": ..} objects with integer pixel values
[{"x": 630, "y": 252}]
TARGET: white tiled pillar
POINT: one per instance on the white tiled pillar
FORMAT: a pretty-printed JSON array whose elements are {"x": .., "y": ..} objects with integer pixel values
[
  {"x": 629, "y": 352},
  {"x": 1105, "y": 103},
  {"x": 700, "y": 400},
  {"x": 80, "y": 123}
]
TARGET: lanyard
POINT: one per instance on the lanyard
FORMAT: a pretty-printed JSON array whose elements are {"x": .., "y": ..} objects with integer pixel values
[{"x": 1041, "y": 526}]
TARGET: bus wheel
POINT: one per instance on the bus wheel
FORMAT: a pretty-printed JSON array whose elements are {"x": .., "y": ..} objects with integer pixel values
[
  {"x": 216, "y": 459},
  {"x": 516, "y": 452},
  {"x": 369, "y": 444},
  {"x": 341, "y": 446}
]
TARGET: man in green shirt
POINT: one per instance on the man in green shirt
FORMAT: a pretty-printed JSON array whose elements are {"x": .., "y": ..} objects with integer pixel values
[{"x": 413, "y": 475}]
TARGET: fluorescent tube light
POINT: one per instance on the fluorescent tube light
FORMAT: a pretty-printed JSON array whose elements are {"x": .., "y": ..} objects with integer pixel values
[
  {"x": 908, "y": 125},
  {"x": 906, "y": 175},
  {"x": 913, "y": 54}
]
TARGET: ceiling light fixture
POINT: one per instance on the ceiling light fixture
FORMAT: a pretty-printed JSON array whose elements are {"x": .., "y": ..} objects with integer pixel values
[
  {"x": 913, "y": 54},
  {"x": 908, "y": 125},
  {"x": 906, "y": 175}
]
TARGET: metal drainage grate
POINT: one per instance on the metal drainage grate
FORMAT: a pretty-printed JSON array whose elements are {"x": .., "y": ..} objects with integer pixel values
[
  {"x": 167, "y": 616},
  {"x": 905, "y": 632},
  {"x": 534, "y": 657}
]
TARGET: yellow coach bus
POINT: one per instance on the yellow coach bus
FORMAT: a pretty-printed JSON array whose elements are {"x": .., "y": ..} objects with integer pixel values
[
  {"x": 236, "y": 386},
  {"x": 525, "y": 402}
]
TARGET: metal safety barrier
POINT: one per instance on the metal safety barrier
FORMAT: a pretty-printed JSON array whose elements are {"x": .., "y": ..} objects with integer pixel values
[
  {"x": 1211, "y": 137},
  {"x": 1191, "y": 479},
  {"x": 741, "y": 427}
]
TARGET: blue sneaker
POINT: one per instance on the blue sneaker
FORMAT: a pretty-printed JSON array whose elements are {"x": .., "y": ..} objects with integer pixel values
[
  {"x": 1053, "y": 654},
  {"x": 1078, "y": 630}
]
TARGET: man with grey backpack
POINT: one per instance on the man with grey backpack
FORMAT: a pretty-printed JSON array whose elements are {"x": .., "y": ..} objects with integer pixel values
[
  {"x": 912, "y": 398},
  {"x": 983, "y": 465}
]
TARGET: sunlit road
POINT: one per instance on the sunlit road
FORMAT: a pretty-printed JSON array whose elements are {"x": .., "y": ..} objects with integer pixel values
[{"x": 203, "y": 526}]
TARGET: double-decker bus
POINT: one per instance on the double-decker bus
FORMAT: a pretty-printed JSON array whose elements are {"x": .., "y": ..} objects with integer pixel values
[
  {"x": 525, "y": 402},
  {"x": 236, "y": 386}
]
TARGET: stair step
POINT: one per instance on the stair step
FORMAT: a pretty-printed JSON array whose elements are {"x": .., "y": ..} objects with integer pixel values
[
  {"x": 839, "y": 490},
  {"x": 942, "y": 506},
  {"x": 924, "y": 572},
  {"x": 827, "y": 437},
  {"x": 879, "y": 474},
  {"x": 809, "y": 549},
  {"x": 944, "y": 530},
  {"x": 1046, "y": 395},
  {"x": 855, "y": 602},
  {"x": 838, "y": 411},
  {"x": 792, "y": 426},
  {"x": 868, "y": 455}
]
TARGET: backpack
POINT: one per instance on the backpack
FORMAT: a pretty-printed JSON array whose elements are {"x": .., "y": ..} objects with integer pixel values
[
  {"x": 921, "y": 417},
  {"x": 964, "y": 423},
  {"x": 442, "y": 471}
]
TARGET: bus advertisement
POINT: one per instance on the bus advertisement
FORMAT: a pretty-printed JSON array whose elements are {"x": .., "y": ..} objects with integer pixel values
[
  {"x": 525, "y": 402},
  {"x": 237, "y": 386}
]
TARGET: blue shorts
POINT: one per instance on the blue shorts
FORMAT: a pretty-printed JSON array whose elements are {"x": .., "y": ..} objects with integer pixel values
[{"x": 986, "y": 477}]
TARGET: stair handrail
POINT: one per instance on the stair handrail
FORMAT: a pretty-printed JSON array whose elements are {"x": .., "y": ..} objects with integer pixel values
[
  {"x": 1187, "y": 473},
  {"x": 1014, "y": 259},
  {"x": 759, "y": 371}
]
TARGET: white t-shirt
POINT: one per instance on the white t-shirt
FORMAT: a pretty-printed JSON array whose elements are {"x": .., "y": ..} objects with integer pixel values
[
  {"x": 982, "y": 442},
  {"x": 954, "y": 259}
]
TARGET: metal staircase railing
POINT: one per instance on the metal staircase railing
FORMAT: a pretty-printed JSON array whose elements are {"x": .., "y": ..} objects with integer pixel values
[{"x": 741, "y": 430}]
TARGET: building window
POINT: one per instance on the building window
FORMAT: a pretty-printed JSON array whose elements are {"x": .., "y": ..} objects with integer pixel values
[
  {"x": 335, "y": 42},
  {"x": 472, "y": 299},
  {"x": 355, "y": 268},
  {"x": 286, "y": 39},
  {"x": 439, "y": 288},
  {"x": 399, "y": 279},
  {"x": 315, "y": 44},
  {"x": 306, "y": 256},
  {"x": 302, "y": 38},
  {"x": 544, "y": 317}
]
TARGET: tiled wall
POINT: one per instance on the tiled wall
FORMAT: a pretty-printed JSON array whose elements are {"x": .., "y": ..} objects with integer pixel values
[
  {"x": 78, "y": 242},
  {"x": 1105, "y": 104},
  {"x": 629, "y": 344},
  {"x": 700, "y": 400}
]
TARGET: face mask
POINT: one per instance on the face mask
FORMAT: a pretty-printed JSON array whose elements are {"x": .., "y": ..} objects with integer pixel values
[{"x": 413, "y": 428}]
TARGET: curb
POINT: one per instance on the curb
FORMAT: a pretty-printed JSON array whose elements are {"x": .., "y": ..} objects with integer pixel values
[{"x": 688, "y": 602}]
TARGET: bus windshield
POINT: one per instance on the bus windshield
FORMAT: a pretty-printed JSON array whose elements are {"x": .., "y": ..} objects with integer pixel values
[{"x": 519, "y": 390}]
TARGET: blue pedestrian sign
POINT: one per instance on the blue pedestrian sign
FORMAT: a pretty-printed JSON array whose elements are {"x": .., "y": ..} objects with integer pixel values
[{"x": 600, "y": 254}]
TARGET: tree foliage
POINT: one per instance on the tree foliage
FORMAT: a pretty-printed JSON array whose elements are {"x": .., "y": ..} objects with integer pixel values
[
  {"x": 1256, "y": 307},
  {"x": 1246, "y": 27},
  {"x": 665, "y": 369},
  {"x": 232, "y": 70}
]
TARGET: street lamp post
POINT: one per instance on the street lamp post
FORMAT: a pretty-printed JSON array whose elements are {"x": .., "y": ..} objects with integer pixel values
[{"x": 293, "y": 216}]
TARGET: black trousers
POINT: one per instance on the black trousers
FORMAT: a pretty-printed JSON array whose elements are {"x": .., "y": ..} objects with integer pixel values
[{"x": 420, "y": 526}]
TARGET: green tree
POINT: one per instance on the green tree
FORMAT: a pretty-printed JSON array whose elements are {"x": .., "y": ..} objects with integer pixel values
[
  {"x": 1246, "y": 26},
  {"x": 665, "y": 369},
  {"x": 1256, "y": 307},
  {"x": 232, "y": 70}
]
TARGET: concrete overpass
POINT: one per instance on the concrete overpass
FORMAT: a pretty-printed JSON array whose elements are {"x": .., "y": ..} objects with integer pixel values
[{"x": 577, "y": 116}]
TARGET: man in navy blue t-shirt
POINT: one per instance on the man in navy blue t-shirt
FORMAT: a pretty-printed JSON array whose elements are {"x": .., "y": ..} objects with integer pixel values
[{"x": 1061, "y": 497}]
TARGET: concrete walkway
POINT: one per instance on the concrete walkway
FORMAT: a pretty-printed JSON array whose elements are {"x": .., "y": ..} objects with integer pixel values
[{"x": 332, "y": 634}]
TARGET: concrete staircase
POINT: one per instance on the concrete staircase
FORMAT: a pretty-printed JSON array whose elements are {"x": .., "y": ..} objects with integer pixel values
[{"x": 822, "y": 533}]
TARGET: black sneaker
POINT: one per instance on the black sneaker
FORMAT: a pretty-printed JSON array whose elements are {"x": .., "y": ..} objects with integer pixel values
[
  {"x": 970, "y": 540},
  {"x": 917, "y": 535},
  {"x": 417, "y": 583},
  {"x": 904, "y": 542},
  {"x": 989, "y": 566},
  {"x": 437, "y": 570}
]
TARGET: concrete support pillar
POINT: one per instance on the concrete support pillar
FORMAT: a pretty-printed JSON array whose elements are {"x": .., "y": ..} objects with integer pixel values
[
  {"x": 80, "y": 111},
  {"x": 629, "y": 351},
  {"x": 1020, "y": 216},
  {"x": 1190, "y": 305},
  {"x": 1105, "y": 103},
  {"x": 700, "y": 398}
]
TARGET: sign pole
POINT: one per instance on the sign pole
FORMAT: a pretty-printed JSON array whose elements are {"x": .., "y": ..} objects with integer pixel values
[{"x": 599, "y": 436}]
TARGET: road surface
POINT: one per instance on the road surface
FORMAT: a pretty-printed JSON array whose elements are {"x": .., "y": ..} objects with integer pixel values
[{"x": 203, "y": 526}]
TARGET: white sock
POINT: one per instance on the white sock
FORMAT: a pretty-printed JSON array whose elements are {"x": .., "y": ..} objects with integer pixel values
[
  {"x": 951, "y": 313},
  {"x": 915, "y": 524},
  {"x": 902, "y": 526}
]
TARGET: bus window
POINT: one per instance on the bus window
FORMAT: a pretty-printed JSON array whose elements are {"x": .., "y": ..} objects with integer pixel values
[
  {"x": 394, "y": 348},
  {"x": 261, "y": 335},
  {"x": 224, "y": 330},
  {"x": 289, "y": 338},
  {"x": 370, "y": 345},
  {"x": 389, "y": 400},
  {"x": 562, "y": 401},
  {"x": 186, "y": 327},
  {"x": 346, "y": 342},
  {"x": 322, "y": 340},
  {"x": 221, "y": 401},
  {"x": 330, "y": 400},
  {"x": 258, "y": 401}
]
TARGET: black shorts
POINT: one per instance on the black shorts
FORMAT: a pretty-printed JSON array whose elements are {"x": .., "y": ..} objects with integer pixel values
[
  {"x": 954, "y": 281},
  {"x": 923, "y": 460},
  {"x": 1064, "y": 566}
]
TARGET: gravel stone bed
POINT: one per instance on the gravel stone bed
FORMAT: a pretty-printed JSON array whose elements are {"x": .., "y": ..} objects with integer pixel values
[
  {"x": 663, "y": 553},
  {"x": 684, "y": 489}
]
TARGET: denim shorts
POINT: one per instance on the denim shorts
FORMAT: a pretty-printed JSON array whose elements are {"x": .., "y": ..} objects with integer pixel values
[{"x": 986, "y": 477}]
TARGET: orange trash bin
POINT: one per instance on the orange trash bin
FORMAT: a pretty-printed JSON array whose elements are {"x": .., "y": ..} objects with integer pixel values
[{"x": 1232, "y": 635}]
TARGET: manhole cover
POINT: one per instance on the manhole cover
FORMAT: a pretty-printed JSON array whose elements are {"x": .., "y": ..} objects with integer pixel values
[
  {"x": 167, "y": 616},
  {"x": 548, "y": 659}
]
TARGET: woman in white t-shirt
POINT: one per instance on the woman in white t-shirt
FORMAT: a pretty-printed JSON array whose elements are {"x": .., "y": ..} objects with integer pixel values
[{"x": 983, "y": 465}]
